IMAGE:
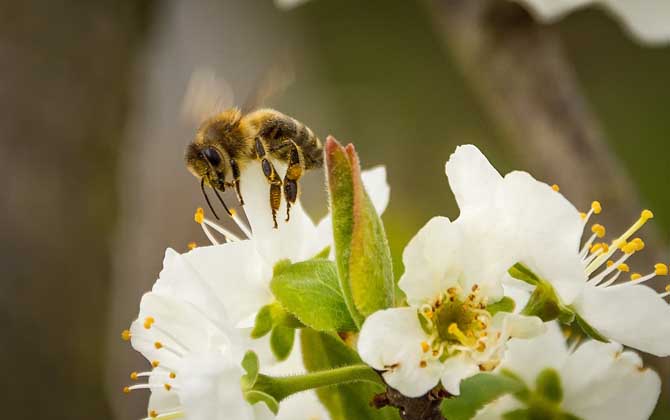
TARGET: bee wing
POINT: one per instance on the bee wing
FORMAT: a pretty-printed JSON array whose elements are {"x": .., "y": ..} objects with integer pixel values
[
  {"x": 275, "y": 80},
  {"x": 206, "y": 95}
]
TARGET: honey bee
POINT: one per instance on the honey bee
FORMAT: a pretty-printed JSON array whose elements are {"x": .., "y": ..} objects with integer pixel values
[{"x": 225, "y": 143}]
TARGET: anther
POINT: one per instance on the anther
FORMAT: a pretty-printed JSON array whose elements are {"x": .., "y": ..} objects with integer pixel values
[
  {"x": 646, "y": 215},
  {"x": 623, "y": 268},
  {"x": 125, "y": 335},
  {"x": 425, "y": 346},
  {"x": 133, "y": 376},
  {"x": 126, "y": 390},
  {"x": 661, "y": 269},
  {"x": 167, "y": 387},
  {"x": 610, "y": 263},
  {"x": 173, "y": 375},
  {"x": 158, "y": 345},
  {"x": 596, "y": 207},
  {"x": 556, "y": 188},
  {"x": 423, "y": 364},
  {"x": 599, "y": 230},
  {"x": 155, "y": 363},
  {"x": 148, "y": 322},
  {"x": 582, "y": 215},
  {"x": 199, "y": 216},
  {"x": 192, "y": 245},
  {"x": 153, "y": 414},
  {"x": 635, "y": 276}
]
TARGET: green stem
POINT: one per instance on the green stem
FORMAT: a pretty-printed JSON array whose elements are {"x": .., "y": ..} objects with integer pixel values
[{"x": 282, "y": 387}]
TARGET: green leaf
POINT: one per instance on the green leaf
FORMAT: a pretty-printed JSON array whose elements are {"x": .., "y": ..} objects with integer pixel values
[
  {"x": 310, "y": 291},
  {"x": 506, "y": 304},
  {"x": 344, "y": 402},
  {"x": 281, "y": 341},
  {"x": 548, "y": 384},
  {"x": 589, "y": 330},
  {"x": 324, "y": 253},
  {"x": 361, "y": 249},
  {"x": 476, "y": 392}
]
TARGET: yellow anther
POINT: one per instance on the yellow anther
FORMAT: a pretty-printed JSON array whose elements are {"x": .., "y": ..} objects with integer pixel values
[
  {"x": 155, "y": 363},
  {"x": 638, "y": 243},
  {"x": 635, "y": 276},
  {"x": 232, "y": 213},
  {"x": 596, "y": 207},
  {"x": 158, "y": 345},
  {"x": 425, "y": 347},
  {"x": 481, "y": 346},
  {"x": 126, "y": 390},
  {"x": 623, "y": 268},
  {"x": 646, "y": 215},
  {"x": 661, "y": 269},
  {"x": 199, "y": 216},
  {"x": 599, "y": 230},
  {"x": 133, "y": 376},
  {"x": 556, "y": 188},
  {"x": 582, "y": 215},
  {"x": 153, "y": 414},
  {"x": 629, "y": 248},
  {"x": 610, "y": 263},
  {"x": 192, "y": 246},
  {"x": 606, "y": 247},
  {"x": 428, "y": 313},
  {"x": 125, "y": 335},
  {"x": 167, "y": 387},
  {"x": 596, "y": 247},
  {"x": 173, "y": 375},
  {"x": 148, "y": 322},
  {"x": 423, "y": 364}
]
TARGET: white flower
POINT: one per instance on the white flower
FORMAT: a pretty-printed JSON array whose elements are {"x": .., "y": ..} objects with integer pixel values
[
  {"x": 647, "y": 20},
  {"x": 544, "y": 232},
  {"x": 447, "y": 334},
  {"x": 599, "y": 381}
]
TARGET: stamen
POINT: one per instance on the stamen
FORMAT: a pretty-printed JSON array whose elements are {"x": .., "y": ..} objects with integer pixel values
[
  {"x": 240, "y": 224},
  {"x": 599, "y": 230},
  {"x": 169, "y": 415},
  {"x": 425, "y": 347},
  {"x": 556, "y": 188},
  {"x": 192, "y": 245},
  {"x": 462, "y": 338},
  {"x": 199, "y": 218},
  {"x": 129, "y": 389},
  {"x": 667, "y": 292},
  {"x": 645, "y": 216},
  {"x": 125, "y": 335},
  {"x": 225, "y": 232}
]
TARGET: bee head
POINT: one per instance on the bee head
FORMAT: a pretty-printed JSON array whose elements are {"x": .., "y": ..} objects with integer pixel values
[{"x": 208, "y": 162}]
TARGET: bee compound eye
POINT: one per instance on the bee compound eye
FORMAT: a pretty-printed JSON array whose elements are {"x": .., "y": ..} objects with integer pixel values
[{"x": 212, "y": 155}]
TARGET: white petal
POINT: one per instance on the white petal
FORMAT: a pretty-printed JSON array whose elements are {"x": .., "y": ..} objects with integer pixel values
[
  {"x": 528, "y": 357},
  {"x": 377, "y": 187},
  {"x": 633, "y": 315},
  {"x": 602, "y": 383},
  {"x": 390, "y": 341},
  {"x": 496, "y": 409},
  {"x": 518, "y": 291},
  {"x": 236, "y": 274},
  {"x": 519, "y": 326},
  {"x": 647, "y": 20},
  {"x": 472, "y": 178},
  {"x": 545, "y": 231},
  {"x": 551, "y": 10},
  {"x": 432, "y": 261},
  {"x": 457, "y": 368},
  {"x": 303, "y": 406}
]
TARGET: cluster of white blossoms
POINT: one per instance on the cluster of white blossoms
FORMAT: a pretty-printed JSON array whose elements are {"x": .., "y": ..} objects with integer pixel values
[{"x": 494, "y": 292}]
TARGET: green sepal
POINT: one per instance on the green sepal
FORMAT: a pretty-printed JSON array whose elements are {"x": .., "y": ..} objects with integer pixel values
[
  {"x": 545, "y": 304},
  {"x": 310, "y": 291},
  {"x": 520, "y": 272},
  {"x": 588, "y": 330},
  {"x": 270, "y": 316},
  {"x": 281, "y": 341},
  {"x": 506, "y": 304},
  {"x": 478, "y": 391},
  {"x": 362, "y": 253},
  {"x": 324, "y": 253},
  {"x": 548, "y": 385},
  {"x": 250, "y": 380}
]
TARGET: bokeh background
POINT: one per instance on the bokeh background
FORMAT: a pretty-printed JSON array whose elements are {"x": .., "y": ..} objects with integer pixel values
[{"x": 92, "y": 133}]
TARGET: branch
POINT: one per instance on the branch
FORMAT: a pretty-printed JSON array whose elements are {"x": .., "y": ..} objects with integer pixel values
[{"x": 423, "y": 408}]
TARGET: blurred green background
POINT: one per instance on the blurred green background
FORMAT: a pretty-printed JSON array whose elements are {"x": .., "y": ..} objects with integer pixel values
[{"x": 92, "y": 138}]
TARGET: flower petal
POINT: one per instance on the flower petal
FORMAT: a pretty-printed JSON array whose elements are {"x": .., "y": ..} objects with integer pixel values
[
  {"x": 472, "y": 178},
  {"x": 647, "y": 20},
  {"x": 457, "y": 368},
  {"x": 601, "y": 382},
  {"x": 634, "y": 315},
  {"x": 237, "y": 276},
  {"x": 390, "y": 341},
  {"x": 545, "y": 231},
  {"x": 528, "y": 357},
  {"x": 377, "y": 187},
  {"x": 432, "y": 261}
]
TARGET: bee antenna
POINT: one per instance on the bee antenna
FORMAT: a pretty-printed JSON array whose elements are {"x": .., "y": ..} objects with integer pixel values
[
  {"x": 202, "y": 188},
  {"x": 222, "y": 202}
]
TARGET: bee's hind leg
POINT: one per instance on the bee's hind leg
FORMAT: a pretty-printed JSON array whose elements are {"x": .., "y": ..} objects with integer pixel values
[
  {"x": 294, "y": 172},
  {"x": 272, "y": 177}
]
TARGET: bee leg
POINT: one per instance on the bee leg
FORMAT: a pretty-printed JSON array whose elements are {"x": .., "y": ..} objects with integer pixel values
[
  {"x": 273, "y": 179},
  {"x": 294, "y": 172},
  {"x": 236, "y": 180}
]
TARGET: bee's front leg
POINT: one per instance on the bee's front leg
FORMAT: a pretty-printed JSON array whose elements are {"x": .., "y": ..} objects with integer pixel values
[
  {"x": 236, "y": 180},
  {"x": 273, "y": 179}
]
